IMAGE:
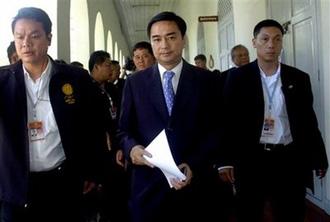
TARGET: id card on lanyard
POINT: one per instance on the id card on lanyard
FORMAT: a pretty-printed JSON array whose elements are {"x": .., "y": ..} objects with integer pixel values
[
  {"x": 36, "y": 126},
  {"x": 36, "y": 130},
  {"x": 268, "y": 129}
]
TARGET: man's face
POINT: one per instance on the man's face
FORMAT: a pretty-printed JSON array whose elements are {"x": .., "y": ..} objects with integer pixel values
[
  {"x": 115, "y": 72},
  {"x": 31, "y": 41},
  {"x": 241, "y": 57},
  {"x": 102, "y": 72},
  {"x": 268, "y": 44},
  {"x": 167, "y": 43},
  {"x": 142, "y": 59},
  {"x": 200, "y": 63}
]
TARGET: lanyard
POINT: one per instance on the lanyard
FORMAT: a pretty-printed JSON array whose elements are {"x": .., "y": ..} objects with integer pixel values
[
  {"x": 35, "y": 102},
  {"x": 112, "y": 110},
  {"x": 270, "y": 95}
]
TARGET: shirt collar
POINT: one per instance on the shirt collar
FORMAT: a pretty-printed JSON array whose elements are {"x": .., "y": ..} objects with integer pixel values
[
  {"x": 278, "y": 71},
  {"x": 45, "y": 73},
  {"x": 177, "y": 69}
]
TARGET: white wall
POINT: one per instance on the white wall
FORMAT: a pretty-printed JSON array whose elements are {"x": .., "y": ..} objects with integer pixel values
[
  {"x": 247, "y": 13},
  {"x": 325, "y": 73},
  {"x": 8, "y": 12}
]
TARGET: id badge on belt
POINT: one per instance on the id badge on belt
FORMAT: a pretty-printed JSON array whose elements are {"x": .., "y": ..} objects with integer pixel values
[{"x": 36, "y": 130}]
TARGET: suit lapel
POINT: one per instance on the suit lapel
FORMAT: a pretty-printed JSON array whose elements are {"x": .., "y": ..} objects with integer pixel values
[
  {"x": 288, "y": 86},
  {"x": 21, "y": 89},
  {"x": 21, "y": 106},
  {"x": 187, "y": 92},
  {"x": 256, "y": 83},
  {"x": 287, "y": 81},
  {"x": 156, "y": 94}
]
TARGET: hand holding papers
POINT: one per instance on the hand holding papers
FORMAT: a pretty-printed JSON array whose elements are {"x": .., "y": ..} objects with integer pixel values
[{"x": 163, "y": 159}]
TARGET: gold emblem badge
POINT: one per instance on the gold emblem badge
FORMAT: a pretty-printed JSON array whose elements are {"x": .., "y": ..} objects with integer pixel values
[{"x": 67, "y": 89}]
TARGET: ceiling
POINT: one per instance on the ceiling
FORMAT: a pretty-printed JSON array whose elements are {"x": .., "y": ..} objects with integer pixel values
[{"x": 134, "y": 16}]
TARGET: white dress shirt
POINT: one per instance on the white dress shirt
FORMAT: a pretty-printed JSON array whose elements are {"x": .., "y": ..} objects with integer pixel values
[
  {"x": 46, "y": 153},
  {"x": 175, "y": 80},
  {"x": 282, "y": 133}
]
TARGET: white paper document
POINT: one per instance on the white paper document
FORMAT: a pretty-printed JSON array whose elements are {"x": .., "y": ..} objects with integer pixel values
[{"x": 162, "y": 158}]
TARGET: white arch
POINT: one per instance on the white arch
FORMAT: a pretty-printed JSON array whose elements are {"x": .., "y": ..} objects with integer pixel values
[
  {"x": 116, "y": 52},
  {"x": 120, "y": 58},
  {"x": 123, "y": 61},
  {"x": 99, "y": 33},
  {"x": 109, "y": 44},
  {"x": 79, "y": 31}
]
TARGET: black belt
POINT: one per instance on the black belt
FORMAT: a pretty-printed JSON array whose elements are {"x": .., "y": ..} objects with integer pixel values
[
  {"x": 53, "y": 172},
  {"x": 273, "y": 147}
]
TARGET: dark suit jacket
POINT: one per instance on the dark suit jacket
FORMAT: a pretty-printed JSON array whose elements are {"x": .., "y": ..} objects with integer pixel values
[
  {"x": 119, "y": 87},
  {"x": 225, "y": 73},
  {"x": 191, "y": 129},
  {"x": 73, "y": 113},
  {"x": 244, "y": 115}
]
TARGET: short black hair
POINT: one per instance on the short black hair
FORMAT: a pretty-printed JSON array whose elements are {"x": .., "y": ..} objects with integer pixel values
[
  {"x": 78, "y": 64},
  {"x": 60, "y": 61},
  {"x": 129, "y": 64},
  {"x": 97, "y": 57},
  {"x": 36, "y": 14},
  {"x": 115, "y": 62},
  {"x": 143, "y": 45},
  {"x": 168, "y": 16},
  {"x": 11, "y": 49},
  {"x": 267, "y": 23},
  {"x": 200, "y": 57}
]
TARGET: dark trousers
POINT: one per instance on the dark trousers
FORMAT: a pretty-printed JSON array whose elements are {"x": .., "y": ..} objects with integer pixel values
[
  {"x": 114, "y": 195},
  {"x": 275, "y": 177},
  {"x": 52, "y": 196},
  {"x": 195, "y": 202},
  {"x": 108, "y": 203},
  {"x": 12, "y": 213}
]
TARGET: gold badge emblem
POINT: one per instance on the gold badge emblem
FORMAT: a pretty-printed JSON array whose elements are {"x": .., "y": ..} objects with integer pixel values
[{"x": 67, "y": 89}]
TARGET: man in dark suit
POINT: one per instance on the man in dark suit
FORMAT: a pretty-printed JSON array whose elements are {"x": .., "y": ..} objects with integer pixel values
[
  {"x": 115, "y": 84},
  {"x": 109, "y": 202},
  {"x": 239, "y": 56},
  {"x": 49, "y": 145},
  {"x": 190, "y": 125},
  {"x": 11, "y": 53},
  {"x": 272, "y": 141}
]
